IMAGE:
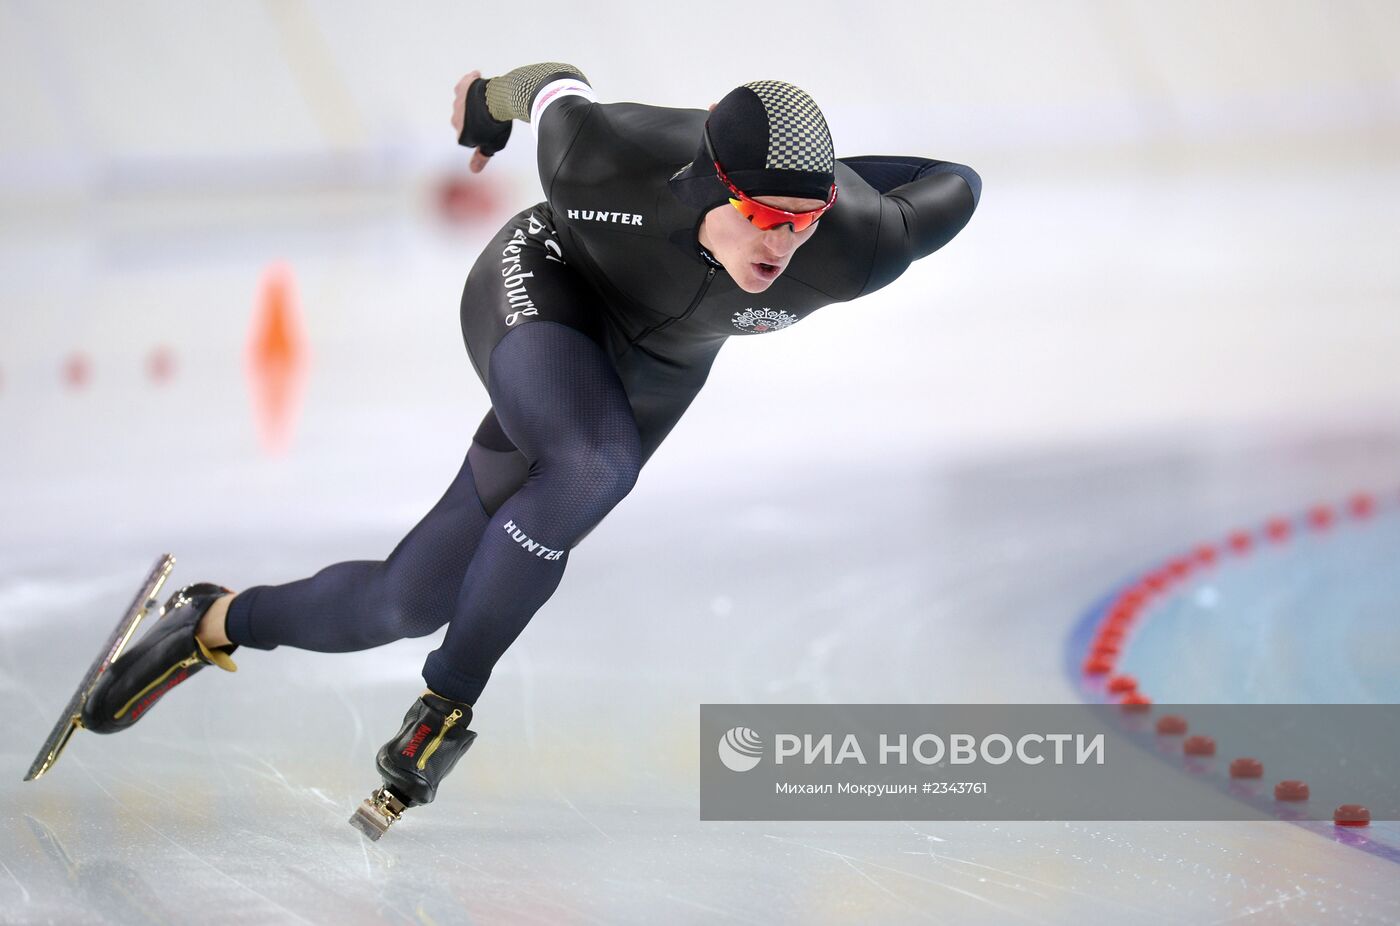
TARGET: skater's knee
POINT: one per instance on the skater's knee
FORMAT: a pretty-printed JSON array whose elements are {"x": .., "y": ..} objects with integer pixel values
[
  {"x": 605, "y": 471},
  {"x": 418, "y": 618}
]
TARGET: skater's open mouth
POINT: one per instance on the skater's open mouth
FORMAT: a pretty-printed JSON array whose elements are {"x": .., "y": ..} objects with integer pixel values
[{"x": 767, "y": 271}]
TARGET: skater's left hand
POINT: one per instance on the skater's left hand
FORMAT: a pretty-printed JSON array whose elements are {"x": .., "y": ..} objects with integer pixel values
[{"x": 459, "y": 116}]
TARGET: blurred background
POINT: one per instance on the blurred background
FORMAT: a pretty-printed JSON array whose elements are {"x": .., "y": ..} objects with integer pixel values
[
  {"x": 1188, "y": 223},
  {"x": 232, "y": 244}
]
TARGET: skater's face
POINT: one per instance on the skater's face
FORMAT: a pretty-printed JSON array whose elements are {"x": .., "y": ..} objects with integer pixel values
[{"x": 755, "y": 258}]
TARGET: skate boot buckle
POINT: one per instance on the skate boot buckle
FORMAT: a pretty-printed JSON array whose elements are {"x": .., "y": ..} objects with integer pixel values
[{"x": 377, "y": 813}]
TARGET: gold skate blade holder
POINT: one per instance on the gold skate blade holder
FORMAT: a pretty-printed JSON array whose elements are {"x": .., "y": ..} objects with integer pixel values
[
  {"x": 377, "y": 813},
  {"x": 71, "y": 718}
]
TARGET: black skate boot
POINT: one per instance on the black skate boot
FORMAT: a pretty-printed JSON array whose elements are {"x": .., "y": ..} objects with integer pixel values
[
  {"x": 164, "y": 657},
  {"x": 433, "y": 737}
]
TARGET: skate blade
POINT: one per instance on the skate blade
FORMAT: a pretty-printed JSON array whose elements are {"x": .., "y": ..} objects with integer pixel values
[
  {"x": 71, "y": 718},
  {"x": 377, "y": 813},
  {"x": 370, "y": 821}
]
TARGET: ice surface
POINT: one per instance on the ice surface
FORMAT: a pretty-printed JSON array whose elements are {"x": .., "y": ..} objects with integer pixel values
[{"x": 579, "y": 801}]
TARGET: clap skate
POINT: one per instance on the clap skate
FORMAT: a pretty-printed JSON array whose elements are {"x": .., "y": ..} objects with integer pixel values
[
  {"x": 71, "y": 718},
  {"x": 119, "y": 687},
  {"x": 433, "y": 737}
]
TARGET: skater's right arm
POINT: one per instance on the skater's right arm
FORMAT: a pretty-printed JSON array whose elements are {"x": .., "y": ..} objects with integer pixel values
[{"x": 484, "y": 110}]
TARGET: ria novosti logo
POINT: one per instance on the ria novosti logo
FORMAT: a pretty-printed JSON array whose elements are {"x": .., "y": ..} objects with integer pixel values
[{"x": 740, "y": 749}]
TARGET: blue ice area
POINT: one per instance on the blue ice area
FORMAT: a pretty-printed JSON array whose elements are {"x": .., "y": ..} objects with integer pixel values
[{"x": 1314, "y": 619}]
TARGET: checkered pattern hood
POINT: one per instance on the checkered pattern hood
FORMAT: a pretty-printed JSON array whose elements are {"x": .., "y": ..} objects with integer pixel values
[{"x": 770, "y": 138}]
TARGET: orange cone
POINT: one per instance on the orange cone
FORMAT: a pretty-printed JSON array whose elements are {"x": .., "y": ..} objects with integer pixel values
[{"x": 277, "y": 358}]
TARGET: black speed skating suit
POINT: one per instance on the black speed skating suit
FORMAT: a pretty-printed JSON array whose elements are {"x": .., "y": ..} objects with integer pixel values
[{"x": 593, "y": 319}]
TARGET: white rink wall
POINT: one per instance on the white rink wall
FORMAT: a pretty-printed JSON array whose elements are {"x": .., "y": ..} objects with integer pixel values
[{"x": 93, "y": 92}]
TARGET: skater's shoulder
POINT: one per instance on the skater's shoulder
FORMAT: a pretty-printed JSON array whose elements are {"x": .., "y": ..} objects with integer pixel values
[
  {"x": 620, "y": 140},
  {"x": 633, "y": 128},
  {"x": 648, "y": 116}
]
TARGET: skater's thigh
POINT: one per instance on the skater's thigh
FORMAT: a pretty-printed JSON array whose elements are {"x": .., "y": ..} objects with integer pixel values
[
  {"x": 522, "y": 277},
  {"x": 554, "y": 390}
]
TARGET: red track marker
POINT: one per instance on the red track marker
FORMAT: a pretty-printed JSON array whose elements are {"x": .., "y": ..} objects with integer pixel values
[
  {"x": 1198, "y": 746},
  {"x": 1136, "y": 702},
  {"x": 1362, "y": 505},
  {"x": 1240, "y": 542},
  {"x": 1098, "y": 665},
  {"x": 1351, "y": 815},
  {"x": 1171, "y": 725},
  {"x": 1321, "y": 517},
  {"x": 160, "y": 364},
  {"x": 1122, "y": 684},
  {"x": 77, "y": 370},
  {"x": 1245, "y": 767}
]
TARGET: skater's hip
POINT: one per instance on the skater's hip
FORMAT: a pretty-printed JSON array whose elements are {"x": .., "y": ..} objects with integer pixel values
[{"x": 522, "y": 276}]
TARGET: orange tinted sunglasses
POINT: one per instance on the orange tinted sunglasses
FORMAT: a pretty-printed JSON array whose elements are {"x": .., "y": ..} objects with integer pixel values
[{"x": 763, "y": 217}]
